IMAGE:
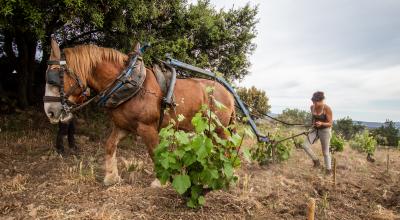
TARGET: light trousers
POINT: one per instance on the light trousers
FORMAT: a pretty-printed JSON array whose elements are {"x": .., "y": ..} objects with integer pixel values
[{"x": 324, "y": 135}]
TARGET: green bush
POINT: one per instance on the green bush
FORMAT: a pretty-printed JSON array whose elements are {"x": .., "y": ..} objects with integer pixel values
[
  {"x": 255, "y": 99},
  {"x": 200, "y": 161},
  {"x": 265, "y": 153},
  {"x": 337, "y": 143},
  {"x": 298, "y": 141},
  {"x": 388, "y": 134},
  {"x": 347, "y": 128},
  {"x": 364, "y": 142},
  {"x": 295, "y": 116}
]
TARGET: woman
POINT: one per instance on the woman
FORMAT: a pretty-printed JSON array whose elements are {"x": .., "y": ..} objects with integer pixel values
[{"x": 322, "y": 121}]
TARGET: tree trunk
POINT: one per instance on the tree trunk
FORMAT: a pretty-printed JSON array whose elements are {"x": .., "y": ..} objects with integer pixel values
[{"x": 26, "y": 44}]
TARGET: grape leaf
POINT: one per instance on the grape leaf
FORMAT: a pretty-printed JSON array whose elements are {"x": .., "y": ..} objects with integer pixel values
[{"x": 181, "y": 183}]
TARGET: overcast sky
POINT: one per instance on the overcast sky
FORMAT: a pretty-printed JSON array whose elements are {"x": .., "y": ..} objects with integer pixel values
[{"x": 348, "y": 49}]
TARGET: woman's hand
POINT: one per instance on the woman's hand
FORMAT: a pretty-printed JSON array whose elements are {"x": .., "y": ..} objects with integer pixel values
[{"x": 318, "y": 124}]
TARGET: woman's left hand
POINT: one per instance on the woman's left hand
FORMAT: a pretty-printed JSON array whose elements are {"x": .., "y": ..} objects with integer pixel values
[{"x": 318, "y": 124}]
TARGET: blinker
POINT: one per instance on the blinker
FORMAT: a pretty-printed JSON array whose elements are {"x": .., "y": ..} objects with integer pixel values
[{"x": 53, "y": 77}]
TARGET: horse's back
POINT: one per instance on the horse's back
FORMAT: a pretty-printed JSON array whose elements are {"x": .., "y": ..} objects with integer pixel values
[{"x": 190, "y": 95}]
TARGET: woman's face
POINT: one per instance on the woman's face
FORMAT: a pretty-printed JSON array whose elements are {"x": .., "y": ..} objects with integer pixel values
[{"x": 318, "y": 103}]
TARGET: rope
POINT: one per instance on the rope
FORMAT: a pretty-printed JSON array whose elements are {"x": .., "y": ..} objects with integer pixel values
[
  {"x": 273, "y": 118},
  {"x": 293, "y": 136},
  {"x": 273, "y": 142}
]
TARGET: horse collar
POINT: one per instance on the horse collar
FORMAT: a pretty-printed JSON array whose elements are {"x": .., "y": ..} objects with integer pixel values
[{"x": 128, "y": 83}]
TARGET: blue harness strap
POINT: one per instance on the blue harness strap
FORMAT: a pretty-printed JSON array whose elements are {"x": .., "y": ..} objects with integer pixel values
[{"x": 126, "y": 73}]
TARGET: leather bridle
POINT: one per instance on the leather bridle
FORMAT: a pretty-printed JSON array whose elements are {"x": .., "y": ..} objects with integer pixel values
[{"x": 55, "y": 77}]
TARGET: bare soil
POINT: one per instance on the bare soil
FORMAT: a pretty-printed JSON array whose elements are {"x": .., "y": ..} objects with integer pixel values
[{"x": 36, "y": 183}]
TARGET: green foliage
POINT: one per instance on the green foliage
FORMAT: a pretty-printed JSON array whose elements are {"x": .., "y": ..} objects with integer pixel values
[
  {"x": 298, "y": 141},
  {"x": 337, "y": 143},
  {"x": 347, "y": 128},
  {"x": 388, "y": 134},
  {"x": 265, "y": 153},
  {"x": 295, "y": 116},
  {"x": 196, "y": 33},
  {"x": 364, "y": 142},
  {"x": 380, "y": 139},
  {"x": 256, "y": 100},
  {"x": 200, "y": 161}
]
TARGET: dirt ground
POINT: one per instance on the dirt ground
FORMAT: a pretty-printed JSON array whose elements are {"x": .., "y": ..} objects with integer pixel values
[{"x": 36, "y": 183}]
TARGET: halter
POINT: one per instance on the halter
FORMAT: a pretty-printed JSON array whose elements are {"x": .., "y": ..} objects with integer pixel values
[{"x": 55, "y": 77}]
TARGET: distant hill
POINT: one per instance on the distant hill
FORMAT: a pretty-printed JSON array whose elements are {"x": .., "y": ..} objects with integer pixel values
[
  {"x": 375, "y": 124},
  {"x": 367, "y": 124}
]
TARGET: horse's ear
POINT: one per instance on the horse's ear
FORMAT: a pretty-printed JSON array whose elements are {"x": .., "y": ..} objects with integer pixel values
[
  {"x": 136, "y": 48},
  {"x": 55, "y": 50}
]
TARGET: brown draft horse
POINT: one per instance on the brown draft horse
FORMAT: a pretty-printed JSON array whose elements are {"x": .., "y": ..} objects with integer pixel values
[{"x": 98, "y": 67}]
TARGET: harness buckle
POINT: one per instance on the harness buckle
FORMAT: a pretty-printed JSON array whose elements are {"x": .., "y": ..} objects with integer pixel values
[{"x": 63, "y": 62}]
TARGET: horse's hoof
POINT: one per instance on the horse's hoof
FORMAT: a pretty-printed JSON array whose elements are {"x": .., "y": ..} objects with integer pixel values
[
  {"x": 155, "y": 184},
  {"x": 111, "y": 179}
]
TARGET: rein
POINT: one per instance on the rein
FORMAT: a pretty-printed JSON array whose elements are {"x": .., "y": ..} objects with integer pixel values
[{"x": 275, "y": 142}]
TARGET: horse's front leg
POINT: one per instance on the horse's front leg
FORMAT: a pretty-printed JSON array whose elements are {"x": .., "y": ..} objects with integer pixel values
[
  {"x": 150, "y": 138},
  {"x": 112, "y": 176}
]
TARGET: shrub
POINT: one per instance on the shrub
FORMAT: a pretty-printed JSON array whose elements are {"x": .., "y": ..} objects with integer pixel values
[
  {"x": 337, "y": 143},
  {"x": 347, "y": 128},
  {"x": 272, "y": 152},
  {"x": 298, "y": 141},
  {"x": 364, "y": 142},
  {"x": 388, "y": 134},
  {"x": 200, "y": 161},
  {"x": 256, "y": 100},
  {"x": 295, "y": 116}
]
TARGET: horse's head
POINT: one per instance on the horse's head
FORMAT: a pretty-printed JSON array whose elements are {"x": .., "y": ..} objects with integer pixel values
[{"x": 63, "y": 87}]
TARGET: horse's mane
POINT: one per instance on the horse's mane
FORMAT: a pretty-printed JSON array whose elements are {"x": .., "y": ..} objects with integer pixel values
[{"x": 83, "y": 58}]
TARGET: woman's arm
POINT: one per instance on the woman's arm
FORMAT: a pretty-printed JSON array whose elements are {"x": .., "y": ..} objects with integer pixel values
[
  {"x": 312, "y": 112},
  {"x": 329, "y": 116}
]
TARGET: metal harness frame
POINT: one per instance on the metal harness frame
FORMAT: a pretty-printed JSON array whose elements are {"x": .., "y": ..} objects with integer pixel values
[{"x": 176, "y": 63}]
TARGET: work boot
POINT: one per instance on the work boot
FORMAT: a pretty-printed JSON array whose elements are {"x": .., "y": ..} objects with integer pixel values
[
  {"x": 328, "y": 172},
  {"x": 316, "y": 163}
]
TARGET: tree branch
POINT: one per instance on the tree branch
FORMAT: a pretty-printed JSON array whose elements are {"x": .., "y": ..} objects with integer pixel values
[{"x": 74, "y": 39}]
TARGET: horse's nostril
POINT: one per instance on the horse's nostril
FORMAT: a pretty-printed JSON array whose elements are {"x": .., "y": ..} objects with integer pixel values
[{"x": 51, "y": 114}]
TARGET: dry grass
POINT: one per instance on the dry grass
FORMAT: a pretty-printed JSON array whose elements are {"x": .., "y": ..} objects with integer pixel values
[{"x": 37, "y": 183}]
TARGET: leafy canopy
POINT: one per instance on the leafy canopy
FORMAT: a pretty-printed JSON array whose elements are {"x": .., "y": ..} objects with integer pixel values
[
  {"x": 347, "y": 128},
  {"x": 388, "y": 134},
  {"x": 256, "y": 100},
  {"x": 196, "y": 33},
  {"x": 295, "y": 116}
]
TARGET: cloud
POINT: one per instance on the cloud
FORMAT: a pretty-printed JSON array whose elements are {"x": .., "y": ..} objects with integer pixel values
[{"x": 349, "y": 49}]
